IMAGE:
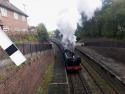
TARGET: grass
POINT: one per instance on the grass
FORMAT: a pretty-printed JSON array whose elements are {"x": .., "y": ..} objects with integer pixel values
[
  {"x": 2, "y": 77},
  {"x": 10, "y": 66},
  {"x": 43, "y": 89}
]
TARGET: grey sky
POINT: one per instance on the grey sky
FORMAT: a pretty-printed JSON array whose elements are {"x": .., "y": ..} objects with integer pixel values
[{"x": 48, "y": 11}]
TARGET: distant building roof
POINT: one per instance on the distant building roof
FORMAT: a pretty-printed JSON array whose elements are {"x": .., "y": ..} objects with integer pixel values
[
  {"x": 6, "y": 4},
  {"x": 32, "y": 28}
]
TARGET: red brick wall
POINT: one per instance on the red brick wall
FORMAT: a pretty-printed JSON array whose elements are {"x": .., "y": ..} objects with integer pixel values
[{"x": 12, "y": 23}]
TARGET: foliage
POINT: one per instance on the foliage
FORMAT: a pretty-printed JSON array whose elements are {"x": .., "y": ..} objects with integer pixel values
[
  {"x": 21, "y": 37},
  {"x": 107, "y": 22},
  {"x": 58, "y": 35},
  {"x": 42, "y": 33},
  {"x": 51, "y": 33}
]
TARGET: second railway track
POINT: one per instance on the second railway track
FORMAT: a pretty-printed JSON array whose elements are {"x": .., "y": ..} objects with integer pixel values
[{"x": 93, "y": 79}]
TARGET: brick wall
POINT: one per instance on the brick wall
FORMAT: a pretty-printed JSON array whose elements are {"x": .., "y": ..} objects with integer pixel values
[{"x": 12, "y": 23}]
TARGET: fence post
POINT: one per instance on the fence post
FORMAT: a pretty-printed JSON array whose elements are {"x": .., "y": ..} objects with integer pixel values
[
  {"x": 36, "y": 49},
  {"x": 30, "y": 50},
  {"x": 23, "y": 49}
]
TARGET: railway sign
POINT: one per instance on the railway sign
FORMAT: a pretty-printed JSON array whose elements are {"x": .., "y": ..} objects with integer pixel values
[{"x": 9, "y": 47}]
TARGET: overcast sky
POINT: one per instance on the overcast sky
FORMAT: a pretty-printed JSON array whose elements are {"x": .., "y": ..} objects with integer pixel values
[{"x": 48, "y": 11}]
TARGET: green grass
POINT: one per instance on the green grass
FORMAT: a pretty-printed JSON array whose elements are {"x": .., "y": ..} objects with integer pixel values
[
  {"x": 43, "y": 89},
  {"x": 2, "y": 77}
]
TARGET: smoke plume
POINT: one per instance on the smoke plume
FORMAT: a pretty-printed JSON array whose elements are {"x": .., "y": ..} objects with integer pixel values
[
  {"x": 70, "y": 16},
  {"x": 67, "y": 26}
]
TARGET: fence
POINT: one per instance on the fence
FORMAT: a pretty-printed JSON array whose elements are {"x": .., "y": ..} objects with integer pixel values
[
  {"x": 26, "y": 78},
  {"x": 28, "y": 48}
]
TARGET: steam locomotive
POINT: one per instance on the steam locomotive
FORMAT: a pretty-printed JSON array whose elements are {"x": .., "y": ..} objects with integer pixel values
[{"x": 72, "y": 62}]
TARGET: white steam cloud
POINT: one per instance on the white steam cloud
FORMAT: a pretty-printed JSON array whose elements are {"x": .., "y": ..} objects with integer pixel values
[
  {"x": 67, "y": 25},
  {"x": 70, "y": 16},
  {"x": 89, "y": 6}
]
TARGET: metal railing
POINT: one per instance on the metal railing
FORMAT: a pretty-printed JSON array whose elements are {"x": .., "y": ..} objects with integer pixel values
[{"x": 28, "y": 48}]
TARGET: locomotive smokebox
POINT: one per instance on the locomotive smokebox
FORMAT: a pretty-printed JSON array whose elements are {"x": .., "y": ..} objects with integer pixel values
[{"x": 72, "y": 61}]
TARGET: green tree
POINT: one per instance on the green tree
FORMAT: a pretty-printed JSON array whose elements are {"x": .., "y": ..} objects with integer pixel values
[
  {"x": 108, "y": 22},
  {"x": 42, "y": 33},
  {"x": 58, "y": 35}
]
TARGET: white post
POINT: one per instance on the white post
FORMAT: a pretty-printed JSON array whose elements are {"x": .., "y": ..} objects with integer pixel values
[{"x": 16, "y": 56}]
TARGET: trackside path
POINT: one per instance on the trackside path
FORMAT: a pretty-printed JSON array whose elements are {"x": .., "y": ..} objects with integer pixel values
[{"x": 59, "y": 84}]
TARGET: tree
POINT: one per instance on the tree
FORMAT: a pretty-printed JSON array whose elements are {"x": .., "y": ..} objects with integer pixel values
[
  {"x": 106, "y": 2},
  {"x": 42, "y": 33},
  {"x": 58, "y": 35},
  {"x": 108, "y": 22}
]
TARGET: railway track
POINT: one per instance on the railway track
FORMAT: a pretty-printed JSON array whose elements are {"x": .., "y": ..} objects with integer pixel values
[
  {"x": 102, "y": 86},
  {"x": 94, "y": 79},
  {"x": 78, "y": 85}
]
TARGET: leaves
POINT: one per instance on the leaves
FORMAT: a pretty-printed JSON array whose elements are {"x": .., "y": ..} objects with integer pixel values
[
  {"x": 42, "y": 33},
  {"x": 108, "y": 22}
]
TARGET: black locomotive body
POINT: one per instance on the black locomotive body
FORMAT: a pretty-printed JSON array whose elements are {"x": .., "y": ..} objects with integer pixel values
[{"x": 72, "y": 62}]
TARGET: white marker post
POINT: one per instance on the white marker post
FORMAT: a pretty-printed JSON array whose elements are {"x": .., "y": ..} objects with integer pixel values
[{"x": 16, "y": 56}]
